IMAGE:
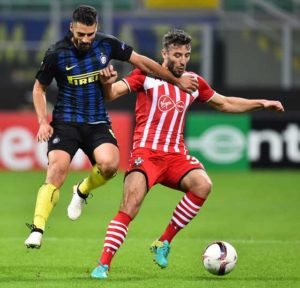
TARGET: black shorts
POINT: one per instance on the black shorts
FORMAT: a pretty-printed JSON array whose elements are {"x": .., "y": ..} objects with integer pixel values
[{"x": 69, "y": 137}]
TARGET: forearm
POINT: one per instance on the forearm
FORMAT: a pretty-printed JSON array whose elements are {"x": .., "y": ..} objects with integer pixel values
[
  {"x": 40, "y": 104},
  {"x": 147, "y": 65},
  {"x": 240, "y": 105},
  {"x": 115, "y": 90},
  {"x": 108, "y": 92}
]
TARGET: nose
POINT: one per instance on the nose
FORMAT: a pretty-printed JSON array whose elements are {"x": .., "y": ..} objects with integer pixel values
[
  {"x": 182, "y": 64},
  {"x": 182, "y": 61},
  {"x": 85, "y": 39}
]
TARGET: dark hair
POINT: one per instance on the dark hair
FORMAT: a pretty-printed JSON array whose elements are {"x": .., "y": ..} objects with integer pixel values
[
  {"x": 86, "y": 15},
  {"x": 176, "y": 37}
]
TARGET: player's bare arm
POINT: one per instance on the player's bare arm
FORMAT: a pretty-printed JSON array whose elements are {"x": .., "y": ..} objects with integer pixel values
[
  {"x": 240, "y": 105},
  {"x": 112, "y": 89},
  {"x": 39, "y": 100},
  {"x": 186, "y": 83}
]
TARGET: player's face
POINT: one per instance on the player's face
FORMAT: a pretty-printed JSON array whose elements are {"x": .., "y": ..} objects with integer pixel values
[
  {"x": 83, "y": 35},
  {"x": 176, "y": 58}
]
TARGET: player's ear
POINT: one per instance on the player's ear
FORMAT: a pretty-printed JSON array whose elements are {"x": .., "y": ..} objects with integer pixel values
[
  {"x": 164, "y": 53},
  {"x": 71, "y": 27}
]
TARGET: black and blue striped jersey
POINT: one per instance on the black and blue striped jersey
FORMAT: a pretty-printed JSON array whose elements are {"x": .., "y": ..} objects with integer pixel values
[{"x": 80, "y": 95}]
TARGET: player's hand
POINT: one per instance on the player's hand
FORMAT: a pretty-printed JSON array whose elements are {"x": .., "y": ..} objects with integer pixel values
[
  {"x": 108, "y": 75},
  {"x": 274, "y": 105},
  {"x": 188, "y": 83},
  {"x": 45, "y": 132}
]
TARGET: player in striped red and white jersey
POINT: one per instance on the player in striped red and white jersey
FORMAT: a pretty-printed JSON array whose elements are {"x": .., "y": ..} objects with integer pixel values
[
  {"x": 159, "y": 154},
  {"x": 160, "y": 111}
]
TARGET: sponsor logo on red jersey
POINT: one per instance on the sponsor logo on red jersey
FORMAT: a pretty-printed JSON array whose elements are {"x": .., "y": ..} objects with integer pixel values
[{"x": 165, "y": 104}]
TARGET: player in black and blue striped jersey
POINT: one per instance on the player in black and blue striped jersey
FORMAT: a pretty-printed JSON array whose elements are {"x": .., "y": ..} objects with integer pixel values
[{"x": 80, "y": 119}]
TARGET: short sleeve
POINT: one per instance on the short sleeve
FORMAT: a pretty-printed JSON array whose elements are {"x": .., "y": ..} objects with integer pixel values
[
  {"x": 205, "y": 91},
  {"x": 45, "y": 73},
  {"x": 135, "y": 80},
  {"x": 120, "y": 50}
]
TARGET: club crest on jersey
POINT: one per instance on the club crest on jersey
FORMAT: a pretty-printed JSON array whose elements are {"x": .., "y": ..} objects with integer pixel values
[
  {"x": 56, "y": 140},
  {"x": 138, "y": 161},
  {"x": 123, "y": 46},
  {"x": 165, "y": 104},
  {"x": 103, "y": 59}
]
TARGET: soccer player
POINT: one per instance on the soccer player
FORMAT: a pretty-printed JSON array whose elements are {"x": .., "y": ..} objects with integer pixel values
[
  {"x": 80, "y": 119},
  {"x": 159, "y": 154}
]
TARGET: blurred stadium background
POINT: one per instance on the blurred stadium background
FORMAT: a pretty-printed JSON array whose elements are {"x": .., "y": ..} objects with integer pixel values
[{"x": 247, "y": 48}]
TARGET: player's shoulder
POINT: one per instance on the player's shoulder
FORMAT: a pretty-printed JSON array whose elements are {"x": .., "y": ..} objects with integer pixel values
[
  {"x": 137, "y": 72},
  {"x": 59, "y": 45},
  {"x": 190, "y": 73},
  {"x": 195, "y": 75},
  {"x": 52, "y": 51},
  {"x": 100, "y": 36}
]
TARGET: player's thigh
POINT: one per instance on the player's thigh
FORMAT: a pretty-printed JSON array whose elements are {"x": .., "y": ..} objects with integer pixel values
[
  {"x": 100, "y": 145},
  {"x": 148, "y": 162},
  {"x": 65, "y": 137},
  {"x": 58, "y": 167},
  {"x": 135, "y": 190},
  {"x": 179, "y": 165}
]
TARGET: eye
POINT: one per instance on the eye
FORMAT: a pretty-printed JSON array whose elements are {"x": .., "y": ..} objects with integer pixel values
[{"x": 80, "y": 34}]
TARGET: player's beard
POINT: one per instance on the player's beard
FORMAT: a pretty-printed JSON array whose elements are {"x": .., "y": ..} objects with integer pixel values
[
  {"x": 177, "y": 72},
  {"x": 81, "y": 46}
]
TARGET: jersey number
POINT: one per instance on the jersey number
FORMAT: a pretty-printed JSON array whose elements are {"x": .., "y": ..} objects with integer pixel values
[{"x": 192, "y": 159}]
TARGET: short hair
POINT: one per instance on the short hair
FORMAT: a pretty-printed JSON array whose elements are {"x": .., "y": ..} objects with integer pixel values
[
  {"x": 86, "y": 15},
  {"x": 176, "y": 37}
]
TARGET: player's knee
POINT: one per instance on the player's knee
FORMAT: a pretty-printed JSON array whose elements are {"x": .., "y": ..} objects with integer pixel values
[
  {"x": 207, "y": 187},
  {"x": 108, "y": 169},
  {"x": 204, "y": 188}
]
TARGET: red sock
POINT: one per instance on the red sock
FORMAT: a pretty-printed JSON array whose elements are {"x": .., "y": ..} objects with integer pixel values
[
  {"x": 185, "y": 211},
  {"x": 115, "y": 235}
]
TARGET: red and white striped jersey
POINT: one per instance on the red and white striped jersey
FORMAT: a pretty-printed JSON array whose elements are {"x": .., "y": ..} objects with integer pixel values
[{"x": 161, "y": 110}]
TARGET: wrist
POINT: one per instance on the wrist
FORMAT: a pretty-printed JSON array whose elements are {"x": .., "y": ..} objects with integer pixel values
[
  {"x": 43, "y": 121},
  {"x": 263, "y": 104},
  {"x": 177, "y": 81}
]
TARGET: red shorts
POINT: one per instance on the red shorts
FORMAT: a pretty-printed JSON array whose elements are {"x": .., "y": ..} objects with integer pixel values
[{"x": 162, "y": 167}]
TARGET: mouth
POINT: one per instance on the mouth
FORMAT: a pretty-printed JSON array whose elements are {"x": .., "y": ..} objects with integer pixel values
[
  {"x": 179, "y": 71},
  {"x": 84, "y": 46}
]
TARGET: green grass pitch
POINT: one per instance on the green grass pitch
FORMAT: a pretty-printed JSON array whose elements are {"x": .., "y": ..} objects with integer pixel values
[{"x": 258, "y": 212}]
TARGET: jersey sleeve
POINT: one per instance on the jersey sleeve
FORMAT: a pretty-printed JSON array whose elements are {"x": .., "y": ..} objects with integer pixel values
[
  {"x": 45, "y": 73},
  {"x": 120, "y": 50},
  {"x": 205, "y": 91},
  {"x": 135, "y": 80}
]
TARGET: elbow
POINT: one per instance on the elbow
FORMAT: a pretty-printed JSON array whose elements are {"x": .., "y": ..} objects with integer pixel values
[
  {"x": 109, "y": 98},
  {"x": 112, "y": 98},
  {"x": 222, "y": 108}
]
